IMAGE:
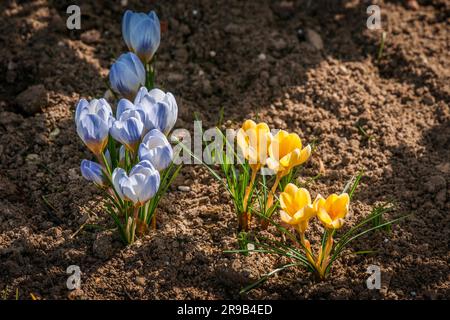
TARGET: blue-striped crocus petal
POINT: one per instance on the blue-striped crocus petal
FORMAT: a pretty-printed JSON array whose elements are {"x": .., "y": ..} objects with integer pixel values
[
  {"x": 122, "y": 106},
  {"x": 127, "y": 75},
  {"x": 118, "y": 176},
  {"x": 99, "y": 107},
  {"x": 108, "y": 158},
  {"x": 130, "y": 20},
  {"x": 128, "y": 129},
  {"x": 93, "y": 171},
  {"x": 161, "y": 108},
  {"x": 156, "y": 148},
  {"x": 147, "y": 180},
  {"x": 82, "y": 107},
  {"x": 126, "y": 22},
  {"x": 125, "y": 105},
  {"x": 94, "y": 132},
  {"x": 145, "y": 37},
  {"x": 140, "y": 94},
  {"x": 140, "y": 185}
]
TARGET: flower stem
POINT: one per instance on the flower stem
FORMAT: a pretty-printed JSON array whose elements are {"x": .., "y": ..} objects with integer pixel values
[
  {"x": 269, "y": 203},
  {"x": 244, "y": 218},
  {"x": 307, "y": 247},
  {"x": 249, "y": 189},
  {"x": 133, "y": 227},
  {"x": 150, "y": 78},
  {"x": 323, "y": 259},
  {"x": 154, "y": 220}
]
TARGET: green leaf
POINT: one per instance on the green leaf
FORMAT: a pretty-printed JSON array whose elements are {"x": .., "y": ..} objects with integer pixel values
[{"x": 266, "y": 277}]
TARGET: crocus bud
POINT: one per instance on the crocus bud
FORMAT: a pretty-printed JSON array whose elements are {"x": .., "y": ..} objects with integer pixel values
[
  {"x": 93, "y": 171},
  {"x": 156, "y": 148},
  {"x": 93, "y": 120},
  {"x": 253, "y": 140},
  {"x": 296, "y": 207},
  {"x": 332, "y": 210},
  {"x": 139, "y": 186},
  {"x": 161, "y": 108},
  {"x": 286, "y": 152},
  {"x": 127, "y": 75},
  {"x": 128, "y": 129},
  {"x": 142, "y": 33}
]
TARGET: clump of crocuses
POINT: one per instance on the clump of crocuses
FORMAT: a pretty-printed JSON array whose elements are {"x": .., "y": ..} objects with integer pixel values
[{"x": 133, "y": 162}]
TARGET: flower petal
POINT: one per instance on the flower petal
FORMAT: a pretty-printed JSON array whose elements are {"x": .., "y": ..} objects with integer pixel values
[
  {"x": 127, "y": 75},
  {"x": 285, "y": 217},
  {"x": 302, "y": 198},
  {"x": 145, "y": 38},
  {"x": 118, "y": 176},
  {"x": 340, "y": 206},
  {"x": 92, "y": 171},
  {"x": 156, "y": 148},
  {"x": 324, "y": 217},
  {"x": 126, "y": 21}
]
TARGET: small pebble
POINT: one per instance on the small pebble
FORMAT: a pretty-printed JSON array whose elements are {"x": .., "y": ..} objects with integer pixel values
[
  {"x": 212, "y": 53},
  {"x": 262, "y": 57},
  {"x": 54, "y": 133},
  {"x": 184, "y": 188},
  {"x": 32, "y": 158},
  {"x": 140, "y": 281},
  {"x": 301, "y": 34},
  {"x": 314, "y": 39}
]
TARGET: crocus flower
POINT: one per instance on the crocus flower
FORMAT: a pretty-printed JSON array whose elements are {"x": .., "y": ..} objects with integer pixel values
[
  {"x": 93, "y": 120},
  {"x": 142, "y": 33},
  {"x": 156, "y": 148},
  {"x": 161, "y": 108},
  {"x": 93, "y": 171},
  {"x": 296, "y": 207},
  {"x": 139, "y": 186},
  {"x": 332, "y": 210},
  {"x": 127, "y": 75},
  {"x": 144, "y": 112},
  {"x": 128, "y": 129},
  {"x": 253, "y": 140},
  {"x": 285, "y": 152}
]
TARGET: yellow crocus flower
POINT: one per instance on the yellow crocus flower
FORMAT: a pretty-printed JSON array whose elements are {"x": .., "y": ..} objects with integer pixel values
[
  {"x": 332, "y": 210},
  {"x": 254, "y": 140},
  {"x": 286, "y": 152},
  {"x": 296, "y": 207}
]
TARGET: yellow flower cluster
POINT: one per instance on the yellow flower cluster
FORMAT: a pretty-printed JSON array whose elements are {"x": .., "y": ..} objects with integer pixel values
[
  {"x": 280, "y": 153},
  {"x": 297, "y": 209}
]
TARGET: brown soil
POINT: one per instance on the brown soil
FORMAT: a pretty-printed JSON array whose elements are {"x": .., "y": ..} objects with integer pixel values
[{"x": 211, "y": 57}]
